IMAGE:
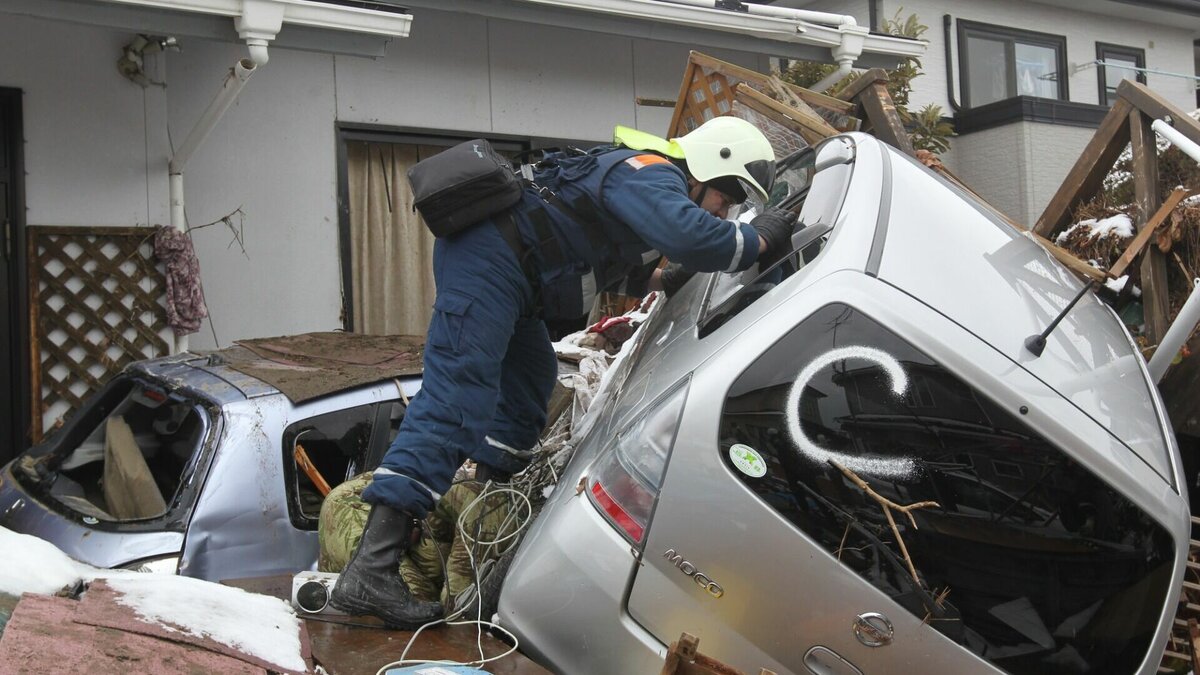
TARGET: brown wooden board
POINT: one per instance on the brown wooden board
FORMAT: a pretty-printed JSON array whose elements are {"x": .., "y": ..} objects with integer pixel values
[
  {"x": 1146, "y": 231},
  {"x": 881, "y": 112},
  {"x": 1156, "y": 107},
  {"x": 808, "y": 124},
  {"x": 1087, "y": 175},
  {"x": 1155, "y": 294}
]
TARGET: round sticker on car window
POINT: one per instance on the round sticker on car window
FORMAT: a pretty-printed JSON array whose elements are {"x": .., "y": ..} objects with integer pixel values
[{"x": 747, "y": 460}]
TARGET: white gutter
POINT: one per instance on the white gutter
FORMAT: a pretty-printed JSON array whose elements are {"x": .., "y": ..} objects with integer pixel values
[
  {"x": 298, "y": 12},
  {"x": 840, "y": 32}
]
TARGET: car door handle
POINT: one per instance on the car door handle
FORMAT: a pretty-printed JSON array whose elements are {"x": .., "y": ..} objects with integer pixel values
[{"x": 824, "y": 661}]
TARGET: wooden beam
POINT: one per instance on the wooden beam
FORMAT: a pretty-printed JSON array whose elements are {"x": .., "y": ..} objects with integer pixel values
[
  {"x": 872, "y": 76},
  {"x": 1146, "y": 231},
  {"x": 1156, "y": 107},
  {"x": 673, "y": 129},
  {"x": 807, "y": 123},
  {"x": 881, "y": 112},
  {"x": 1155, "y": 302},
  {"x": 1087, "y": 176}
]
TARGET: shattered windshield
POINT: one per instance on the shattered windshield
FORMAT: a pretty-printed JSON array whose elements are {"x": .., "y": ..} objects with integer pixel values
[
  {"x": 130, "y": 462},
  {"x": 948, "y": 503}
]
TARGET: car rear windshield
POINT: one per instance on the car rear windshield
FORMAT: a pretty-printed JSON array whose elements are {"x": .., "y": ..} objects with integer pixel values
[
  {"x": 1019, "y": 553},
  {"x": 126, "y": 456}
]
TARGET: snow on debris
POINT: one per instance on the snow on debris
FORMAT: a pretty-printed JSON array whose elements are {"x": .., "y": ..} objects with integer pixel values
[
  {"x": 1119, "y": 225},
  {"x": 1116, "y": 285},
  {"x": 32, "y": 565},
  {"x": 253, "y": 624},
  {"x": 250, "y": 623}
]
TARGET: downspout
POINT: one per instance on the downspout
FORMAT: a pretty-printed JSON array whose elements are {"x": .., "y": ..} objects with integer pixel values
[
  {"x": 259, "y": 23},
  {"x": 946, "y": 22}
]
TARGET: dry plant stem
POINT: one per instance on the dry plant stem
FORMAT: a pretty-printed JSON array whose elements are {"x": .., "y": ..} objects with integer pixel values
[{"x": 887, "y": 505}]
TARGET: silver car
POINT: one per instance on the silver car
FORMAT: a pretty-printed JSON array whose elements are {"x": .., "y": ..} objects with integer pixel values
[
  {"x": 744, "y": 482},
  {"x": 207, "y": 482}
]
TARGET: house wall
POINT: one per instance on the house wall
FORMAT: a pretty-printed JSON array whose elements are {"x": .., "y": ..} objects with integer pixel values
[
  {"x": 97, "y": 144},
  {"x": 1019, "y": 166},
  {"x": 1167, "y": 48}
]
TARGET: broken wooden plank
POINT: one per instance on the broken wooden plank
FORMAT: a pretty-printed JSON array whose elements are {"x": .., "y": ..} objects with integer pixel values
[
  {"x": 1087, "y": 175},
  {"x": 881, "y": 112},
  {"x": 1156, "y": 107},
  {"x": 1146, "y": 231},
  {"x": 1156, "y": 305},
  {"x": 810, "y": 126},
  {"x": 872, "y": 76},
  {"x": 807, "y": 95},
  {"x": 653, "y": 102}
]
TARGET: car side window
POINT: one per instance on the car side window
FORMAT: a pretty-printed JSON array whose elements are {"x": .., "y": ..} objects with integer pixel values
[
  {"x": 1019, "y": 553},
  {"x": 320, "y": 453},
  {"x": 818, "y": 184}
]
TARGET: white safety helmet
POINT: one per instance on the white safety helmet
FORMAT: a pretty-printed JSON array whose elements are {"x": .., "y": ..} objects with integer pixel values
[{"x": 729, "y": 147}]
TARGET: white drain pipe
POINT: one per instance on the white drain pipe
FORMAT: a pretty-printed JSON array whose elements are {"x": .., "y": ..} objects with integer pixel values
[
  {"x": 1179, "y": 332},
  {"x": 238, "y": 75}
]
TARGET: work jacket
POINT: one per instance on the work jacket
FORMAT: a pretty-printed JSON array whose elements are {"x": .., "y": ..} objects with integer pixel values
[{"x": 604, "y": 219}]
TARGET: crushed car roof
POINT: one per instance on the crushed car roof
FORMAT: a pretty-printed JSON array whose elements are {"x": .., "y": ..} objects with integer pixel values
[{"x": 301, "y": 367}]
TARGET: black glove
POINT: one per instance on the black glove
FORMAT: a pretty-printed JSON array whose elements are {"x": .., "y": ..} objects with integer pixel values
[
  {"x": 673, "y": 277},
  {"x": 775, "y": 226}
]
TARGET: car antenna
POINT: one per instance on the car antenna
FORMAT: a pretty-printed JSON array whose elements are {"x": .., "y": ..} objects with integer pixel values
[{"x": 1036, "y": 344}]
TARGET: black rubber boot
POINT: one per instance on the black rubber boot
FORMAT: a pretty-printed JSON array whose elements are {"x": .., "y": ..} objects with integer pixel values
[{"x": 371, "y": 583}]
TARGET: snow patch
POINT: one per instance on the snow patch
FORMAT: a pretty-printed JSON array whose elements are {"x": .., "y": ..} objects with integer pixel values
[
  {"x": 1119, "y": 225},
  {"x": 248, "y": 622},
  {"x": 32, "y": 565},
  {"x": 258, "y": 625}
]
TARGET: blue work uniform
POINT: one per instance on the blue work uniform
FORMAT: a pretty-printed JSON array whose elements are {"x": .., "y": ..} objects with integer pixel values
[{"x": 489, "y": 364}]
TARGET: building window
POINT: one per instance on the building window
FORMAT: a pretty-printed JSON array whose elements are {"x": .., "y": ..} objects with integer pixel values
[
  {"x": 1118, "y": 63},
  {"x": 997, "y": 63}
]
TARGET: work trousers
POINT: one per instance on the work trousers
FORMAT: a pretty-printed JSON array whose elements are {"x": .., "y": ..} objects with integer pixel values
[{"x": 489, "y": 372}]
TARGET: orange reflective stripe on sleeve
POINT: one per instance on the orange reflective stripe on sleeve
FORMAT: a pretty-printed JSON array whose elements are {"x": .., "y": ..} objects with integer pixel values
[{"x": 640, "y": 161}]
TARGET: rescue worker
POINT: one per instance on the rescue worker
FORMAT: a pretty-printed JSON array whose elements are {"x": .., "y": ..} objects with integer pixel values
[{"x": 593, "y": 222}]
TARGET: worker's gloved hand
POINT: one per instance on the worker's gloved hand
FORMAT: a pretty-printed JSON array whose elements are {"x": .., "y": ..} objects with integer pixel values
[
  {"x": 674, "y": 276},
  {"x": 775, "y": 226}
]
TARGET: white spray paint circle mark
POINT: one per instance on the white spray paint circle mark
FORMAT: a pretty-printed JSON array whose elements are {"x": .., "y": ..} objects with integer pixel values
[
  {"x": 879, "y": 466},
  {"x": 747, "y": 460}
]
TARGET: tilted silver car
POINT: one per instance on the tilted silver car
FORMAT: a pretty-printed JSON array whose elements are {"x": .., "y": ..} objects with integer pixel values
[
  {"x": 733, "y": 486},
  {"x": 213, "y": 488}
]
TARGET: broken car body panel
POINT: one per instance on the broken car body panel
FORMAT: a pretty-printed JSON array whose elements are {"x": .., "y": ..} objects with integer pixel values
[{"x": 240, "y": 509}]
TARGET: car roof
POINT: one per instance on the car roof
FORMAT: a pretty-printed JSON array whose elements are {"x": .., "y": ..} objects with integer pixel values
[{"x": 302, "y": 367}]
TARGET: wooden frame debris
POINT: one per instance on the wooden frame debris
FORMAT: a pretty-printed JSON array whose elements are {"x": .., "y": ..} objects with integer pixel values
[
  {"x": 107, "y": 279},
  {"x": 1127, "y": 122}
]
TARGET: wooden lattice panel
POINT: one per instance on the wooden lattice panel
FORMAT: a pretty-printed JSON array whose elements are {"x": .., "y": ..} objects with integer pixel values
[
  {"x": 96, "y": 299},
  {"x": 709, "y": 90}
]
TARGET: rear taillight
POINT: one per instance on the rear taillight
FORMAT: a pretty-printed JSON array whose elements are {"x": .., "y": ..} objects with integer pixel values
[{"x": 624, "y": 481}]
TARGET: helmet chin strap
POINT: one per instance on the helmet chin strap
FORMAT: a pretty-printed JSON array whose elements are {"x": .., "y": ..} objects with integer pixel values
[{"x": 700, "y": 197}]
